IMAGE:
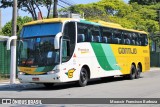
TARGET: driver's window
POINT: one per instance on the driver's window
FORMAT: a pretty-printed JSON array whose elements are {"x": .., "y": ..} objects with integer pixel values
[
  {"x": 65, "y": 50},
  {"x": 23, "y": 49}
]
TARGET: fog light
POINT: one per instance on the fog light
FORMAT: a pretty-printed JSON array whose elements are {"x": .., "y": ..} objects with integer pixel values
[
  {"x": 53, "y": 72},
  {"x": 50, "y": 72}
]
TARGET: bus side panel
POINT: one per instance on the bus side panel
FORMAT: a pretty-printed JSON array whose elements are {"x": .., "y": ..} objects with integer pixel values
[
  {"x": 104, "y": 60},
  {"x": 99, "y": 58},
  {"x": 127, "y": 54}
]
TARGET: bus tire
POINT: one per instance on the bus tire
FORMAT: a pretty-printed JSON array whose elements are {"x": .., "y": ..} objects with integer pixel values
[
  {"x": 132, "y": 73},
  {"x": 83, "y": 78},
  {"x": 48, "y": 85},
  {"x": 138, "y": 72}
]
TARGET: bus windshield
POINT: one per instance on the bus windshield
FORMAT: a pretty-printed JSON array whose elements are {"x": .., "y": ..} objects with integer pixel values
[
  {"x": 38, "y": 51},
  {"x": 43, "y": 29},
  {"x": 36, "y": 47}
]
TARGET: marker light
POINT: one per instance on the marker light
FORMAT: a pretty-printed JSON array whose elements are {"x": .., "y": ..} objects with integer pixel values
[{"x": 21, "y": 73}]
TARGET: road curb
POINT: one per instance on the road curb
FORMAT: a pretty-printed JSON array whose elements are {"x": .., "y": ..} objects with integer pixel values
[
  {"x": 154, "y": 69},
  {"x": 18, "y": 86}
]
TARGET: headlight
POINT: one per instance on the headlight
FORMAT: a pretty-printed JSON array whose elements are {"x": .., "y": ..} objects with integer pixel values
[
  {"x": 21, "y": 73},
  {"x": 53, "y": 72}
]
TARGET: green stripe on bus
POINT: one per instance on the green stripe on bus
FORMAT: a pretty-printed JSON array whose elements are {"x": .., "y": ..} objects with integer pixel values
[
  {"x": 110, "y": 56},
  {"x": 105, "y": 56},
  {"x": 88, "y": 22},
  {"x": 40, "y": 69},
  {"x": 48, "y": 68},
  {"x": 44, "y": 69}
]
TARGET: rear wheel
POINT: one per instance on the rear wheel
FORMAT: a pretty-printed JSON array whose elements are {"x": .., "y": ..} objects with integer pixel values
[
  {"x": 138, "y": 72},
  {"x": 48, "y": 85},
  {"x": 83, "y": 78},
  {"x": 132, "y": 74}
]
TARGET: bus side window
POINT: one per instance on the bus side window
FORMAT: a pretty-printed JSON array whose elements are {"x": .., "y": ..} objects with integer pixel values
[
  {"x": 126, "y": 37},
  {"x": 139, "y": 39},
  {"x": 123, "y": 40},
  {"x": 65, "y": 50},
  {"x": 97, "y": 38},
  {"x": 105, "y": 40},
  {"x": 146, "y": 40},
  {"x": 95, "y": 34},
  {"x": 80, "y": 38},
  {"x": 117, "y": 37},
  {"x": 70, "y": 35},
  {"x": 82, "y": 32},
  {"x": 136, "y": 39},
  {"x": 132, "y": 42},
  {"x": 143, "y": 39},
  {"x": 106, "y": 35}
]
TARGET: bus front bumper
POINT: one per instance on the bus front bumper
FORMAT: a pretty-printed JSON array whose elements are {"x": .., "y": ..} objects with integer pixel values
[{"x": 52, "y": 78}]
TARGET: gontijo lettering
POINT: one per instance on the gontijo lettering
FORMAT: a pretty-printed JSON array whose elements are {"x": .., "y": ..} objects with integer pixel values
[{"x": 127, "y": 50}]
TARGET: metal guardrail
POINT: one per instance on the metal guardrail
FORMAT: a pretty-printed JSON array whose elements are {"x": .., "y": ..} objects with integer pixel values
[
  {"x": 8, "y": 58},
  {"x": 4, "y": 60}
]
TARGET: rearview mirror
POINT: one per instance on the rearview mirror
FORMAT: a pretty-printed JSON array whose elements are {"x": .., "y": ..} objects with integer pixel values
[{"x": 57, "y": 40}]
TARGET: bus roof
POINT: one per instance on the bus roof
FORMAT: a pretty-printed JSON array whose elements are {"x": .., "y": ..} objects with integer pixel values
[
  {"x": 49, "y": 21},
  {"x": 116, "y": 26},
  {"x": 94, "y": 22}
]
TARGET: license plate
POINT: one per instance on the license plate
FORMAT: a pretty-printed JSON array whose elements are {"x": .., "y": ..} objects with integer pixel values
[{"x": 35, "y": 79}]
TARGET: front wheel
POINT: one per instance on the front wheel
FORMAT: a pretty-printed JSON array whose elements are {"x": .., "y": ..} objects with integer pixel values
[{"x": 83, "y": 78}]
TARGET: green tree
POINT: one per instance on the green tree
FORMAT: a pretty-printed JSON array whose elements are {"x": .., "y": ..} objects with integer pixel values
[
  {"x": 7, "y": 29},
  {"x": 101, "y": 10},
  {"x": 29, "y": 6},
  {"x": 134, "y": 15},
  {"x": 145, "y": 2}
]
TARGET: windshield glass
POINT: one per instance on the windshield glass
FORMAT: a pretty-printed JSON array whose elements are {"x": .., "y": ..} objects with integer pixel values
[
  {"x": 38, "y": 51},
  {"x": 49, "y": 29}
]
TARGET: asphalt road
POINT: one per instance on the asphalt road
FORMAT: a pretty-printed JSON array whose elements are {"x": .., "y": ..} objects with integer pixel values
[{"x": 148, "y": 86}]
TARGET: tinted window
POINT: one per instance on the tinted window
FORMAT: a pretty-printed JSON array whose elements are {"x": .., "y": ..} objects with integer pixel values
[
  {"x": 127, "y": 38},
  {"x": 95, "y": 34},
  {"x": 117, "y": 36},
  {"x": 69, "y": 35},
  {"x": 107, "y": 35},
  {"x": 88, "y": 33},
  {"x": 83, "y": 33},
  {"x": 143, "y": 39}
]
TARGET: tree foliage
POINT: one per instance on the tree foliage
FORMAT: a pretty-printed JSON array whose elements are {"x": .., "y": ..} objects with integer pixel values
[
  {"x": 29, "y": 6},
  {"x": 145, "y": 2},
  {"x": 7, "y": 29},
  {"x": 135, "y": 16}
]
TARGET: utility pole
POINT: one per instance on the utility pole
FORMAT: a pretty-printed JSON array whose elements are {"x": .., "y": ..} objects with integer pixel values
[
  {"x": 159, "y": 20},
  {"x": 0, "y": 20},
  {"x": 13, "y": 44},
  {"x": 55, "y": 14}
]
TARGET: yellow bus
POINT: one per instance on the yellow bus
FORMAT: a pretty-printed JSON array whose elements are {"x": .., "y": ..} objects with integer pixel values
[{"x": 65, "y": 49}]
